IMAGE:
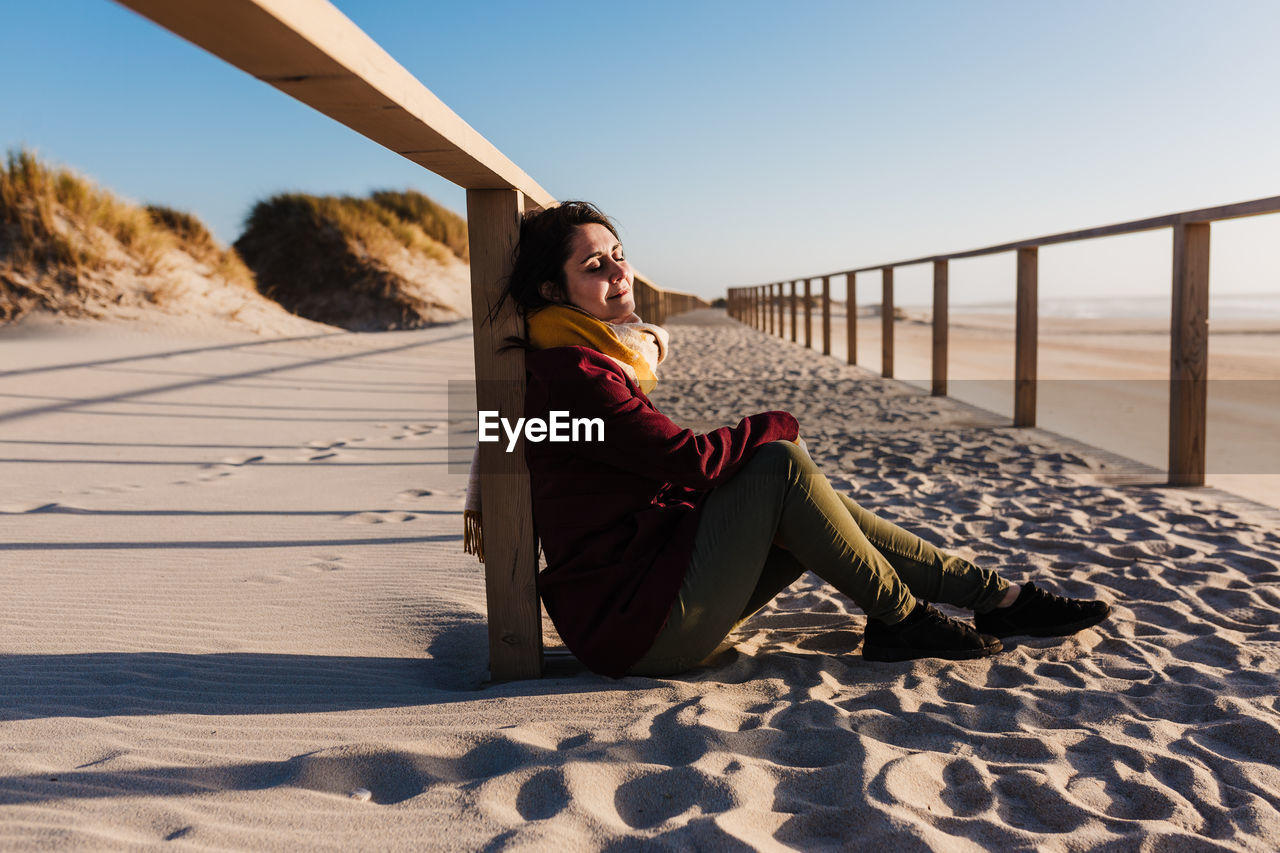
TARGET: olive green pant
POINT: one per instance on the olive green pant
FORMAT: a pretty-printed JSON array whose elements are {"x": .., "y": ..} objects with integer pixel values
[{"x": 777, "y": 518}]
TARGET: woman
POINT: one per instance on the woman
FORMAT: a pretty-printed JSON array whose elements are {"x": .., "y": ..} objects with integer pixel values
[{"x": 659, "y": 542}]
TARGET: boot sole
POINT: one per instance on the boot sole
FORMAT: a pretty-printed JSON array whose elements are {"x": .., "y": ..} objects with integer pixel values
[
  {"x": 894, "y": 655},
  {"x": 1053, "y": 631}
]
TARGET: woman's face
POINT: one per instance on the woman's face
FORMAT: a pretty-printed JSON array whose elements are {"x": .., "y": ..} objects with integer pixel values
[{"x": 597, "y": 276}]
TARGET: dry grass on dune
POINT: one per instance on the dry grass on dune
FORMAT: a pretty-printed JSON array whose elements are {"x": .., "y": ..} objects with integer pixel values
[
  {"x": 196, "y": 240},
  {"x": 362, "y": 264},
  {"x": 70, "y": 247},
  {"x": 440, "y": 224},
  {"x": 392, "y": 261}
]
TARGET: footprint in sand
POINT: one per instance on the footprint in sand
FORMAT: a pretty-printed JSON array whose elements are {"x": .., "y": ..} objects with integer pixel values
[
  {"x": 409, "y": 495},
  {"x": 414, "y": 431},
  {"x": 543, "y": 795},
  {"x": 375, "y": 517},
  {"x": 113, "y": 489},
  {"x": 240, "y": 460},
  {"x": 652, "y": 799},
  {"x": 326, "y": 564},
  {"x": 321, "y": 449}
]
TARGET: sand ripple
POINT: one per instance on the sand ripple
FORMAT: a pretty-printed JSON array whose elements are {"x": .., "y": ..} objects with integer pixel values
[{"x": 236, "y": 695}]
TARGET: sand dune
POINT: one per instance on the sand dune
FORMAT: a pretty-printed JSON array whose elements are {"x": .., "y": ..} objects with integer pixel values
[{"x": 236, "y": 615}]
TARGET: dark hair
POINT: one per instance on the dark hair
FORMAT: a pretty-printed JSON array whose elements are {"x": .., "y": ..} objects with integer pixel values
[{"x": 545, "y": 240}]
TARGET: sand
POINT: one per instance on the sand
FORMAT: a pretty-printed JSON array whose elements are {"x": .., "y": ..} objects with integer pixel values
[
  {"x": 236, "y": 616},
  {"x": 1105, "y": 381}
]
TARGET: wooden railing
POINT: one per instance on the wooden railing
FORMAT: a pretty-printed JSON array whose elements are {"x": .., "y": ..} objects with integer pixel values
[
  {"x": 655, "y": 305},
  {"x": 311, "y": 51},
  {"x": 765, "y": 307}
]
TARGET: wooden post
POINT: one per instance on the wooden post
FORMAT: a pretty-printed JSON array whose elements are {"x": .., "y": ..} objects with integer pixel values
[
  {"x": 826, "y": 315},
  {"x": 851, "y": 320},
  {"x": 793, "y": 312},
  {"x": 940, "y": 329},
  {"x": 510, "y": 548},
  {"x": 1025, "y": 339},
  {"x": 758, "y": 296},
  {"x": 775, "y": 308},
  {"x": 1189, "y": 354},
  {"x": 808, "y": 313},
  {"x": 886, "y": 323}
]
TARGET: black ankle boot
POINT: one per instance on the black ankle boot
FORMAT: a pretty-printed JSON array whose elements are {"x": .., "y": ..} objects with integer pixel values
[
  {"x": 1037, "y": 613},
  {"x": 926, "y": 633}
]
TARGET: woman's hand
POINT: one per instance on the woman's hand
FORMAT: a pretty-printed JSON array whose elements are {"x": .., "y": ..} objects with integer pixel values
[{"x": 799, "y": 442}]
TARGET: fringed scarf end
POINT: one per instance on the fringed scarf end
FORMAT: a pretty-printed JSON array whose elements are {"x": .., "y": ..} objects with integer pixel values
[{"x": 472, "y": 534}]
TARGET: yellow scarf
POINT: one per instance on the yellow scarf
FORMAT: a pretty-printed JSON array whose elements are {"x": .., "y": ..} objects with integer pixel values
[{"x": 566, "y": 326}]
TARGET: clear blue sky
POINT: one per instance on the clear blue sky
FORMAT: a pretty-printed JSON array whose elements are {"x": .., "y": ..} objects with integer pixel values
[{"x": 736, "y": 142}]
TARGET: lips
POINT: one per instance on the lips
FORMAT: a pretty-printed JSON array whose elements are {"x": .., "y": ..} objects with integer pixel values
[{"x": 620, "y": 294}]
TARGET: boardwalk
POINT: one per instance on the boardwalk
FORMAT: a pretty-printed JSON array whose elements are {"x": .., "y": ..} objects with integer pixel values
[{"x": 235, "y": 595}]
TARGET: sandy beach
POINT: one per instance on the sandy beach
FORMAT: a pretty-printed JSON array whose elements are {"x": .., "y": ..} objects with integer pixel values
[
  {"x": 1104, "y": 381},
  {"x": 237, "y": 616}
]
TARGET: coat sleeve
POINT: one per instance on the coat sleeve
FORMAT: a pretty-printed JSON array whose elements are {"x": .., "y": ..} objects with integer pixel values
[{"x": 640, "y": 439}]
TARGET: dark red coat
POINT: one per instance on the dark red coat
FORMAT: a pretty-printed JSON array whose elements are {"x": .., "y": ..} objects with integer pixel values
[{"x": 617, "y": 518}]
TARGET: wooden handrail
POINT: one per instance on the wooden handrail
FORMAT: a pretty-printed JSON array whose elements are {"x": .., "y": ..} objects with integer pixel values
[
  {"x": 1189, "y": 344},
  {"x": 1239, "y": 210},
  {"x": 312, "y": 52},
  {"x": 309, "y": 50}
]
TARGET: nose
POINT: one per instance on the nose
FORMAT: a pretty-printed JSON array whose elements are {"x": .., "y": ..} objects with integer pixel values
[{"x": 617, "y": 271}]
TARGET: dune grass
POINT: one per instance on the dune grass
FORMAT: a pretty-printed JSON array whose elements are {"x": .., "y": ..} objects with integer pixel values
[
  {"x": 382, "y": 224},
  {"x": 340, "y": 260},
  {"x": 58, "y": 230},
  {"x": 35, "y": 196},
  {"x": 70, "y": 247},
  {"x": 196, "y": 240},
  {"x": 440, "y": 224}
]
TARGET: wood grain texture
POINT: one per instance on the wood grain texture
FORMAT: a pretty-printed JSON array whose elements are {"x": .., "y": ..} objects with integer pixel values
[
  {"x": 940, "y": 328},
  {"x": 851, "y": 318},
  {"x": 794, "y": 311},
  {"x": 808, "y": 313},
  {"x": 1026, "y": 337},
  {"x": 1189, "y": 354},
  {"x": 312, "y": 52},
  {"x": 511, "y": 553},
  {"x": 886, "y": 322},
  {"x": 826, "y": 315}
]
